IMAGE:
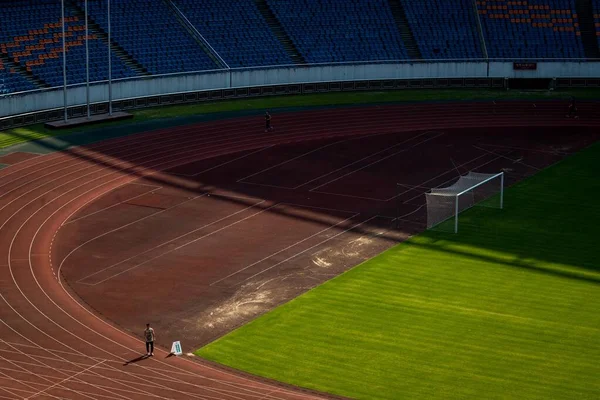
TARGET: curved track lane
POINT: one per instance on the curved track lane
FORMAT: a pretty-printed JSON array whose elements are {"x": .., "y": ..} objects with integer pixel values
[{"x": 53, "y": 347}]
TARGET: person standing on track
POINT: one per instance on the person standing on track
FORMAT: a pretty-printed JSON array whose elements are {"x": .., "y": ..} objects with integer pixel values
[
  {"x": 149, "y": 335},
  {"x": 572, "y": 109},
  {"x": 268, "y": 126}
]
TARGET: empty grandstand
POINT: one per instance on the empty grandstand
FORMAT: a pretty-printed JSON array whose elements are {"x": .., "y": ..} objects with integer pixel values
[
  {"x": 531, "y": 29},
  {"x": 155, "y": 37}
]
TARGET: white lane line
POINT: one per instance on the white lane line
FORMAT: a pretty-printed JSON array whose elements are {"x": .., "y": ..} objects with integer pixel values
[
  {"x": 109, "y": 207},
  {"x": 289, "y": 160},
  {"x": 282, "y": 250},
  {"x": 64, "y": 380},
  {"x": 379, "y": 160},
  {"x": 362, "y": 159},
  {"x": 451, "y": 179},
  {"x": 160, "y": 245},
  {"x": 225, "y": 163},
  {"x": 508, "y": 158},
  {"x": 181, "y": 246},
  {"x": 304, "y": 251}
]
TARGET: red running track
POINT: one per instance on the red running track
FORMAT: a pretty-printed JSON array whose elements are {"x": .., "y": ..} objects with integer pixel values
[{"x": 52, "y": 347}]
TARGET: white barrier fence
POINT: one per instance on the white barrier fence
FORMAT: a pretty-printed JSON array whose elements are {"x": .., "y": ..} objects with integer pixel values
[{"x": 133, "y": 88}]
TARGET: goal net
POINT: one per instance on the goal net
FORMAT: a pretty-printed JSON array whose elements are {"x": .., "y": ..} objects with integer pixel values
[{"x": 444, "y": 204}]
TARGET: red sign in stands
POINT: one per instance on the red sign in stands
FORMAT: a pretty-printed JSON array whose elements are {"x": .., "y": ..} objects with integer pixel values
[{"x": 524, "y": 66}]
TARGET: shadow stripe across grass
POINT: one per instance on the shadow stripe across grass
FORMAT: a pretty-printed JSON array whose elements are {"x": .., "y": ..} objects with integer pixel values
[{"x": 508, "y": 308}]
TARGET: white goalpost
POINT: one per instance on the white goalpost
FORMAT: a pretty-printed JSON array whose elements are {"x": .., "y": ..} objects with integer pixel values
[{"x": 472, "y": 189}]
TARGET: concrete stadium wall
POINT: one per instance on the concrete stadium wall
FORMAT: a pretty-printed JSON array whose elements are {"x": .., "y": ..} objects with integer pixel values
[{"x": 50, "y": 99}]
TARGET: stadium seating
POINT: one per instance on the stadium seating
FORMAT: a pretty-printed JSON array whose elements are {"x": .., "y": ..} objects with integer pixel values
[
  {"x": 531, "y": 29},
  {"x": 236, "y": 30},
  {"x": 444, "y": 29},
  {"x": 32, "y": 37},
  {"x": 337, "y": 31},
  {"x": 148, "y": 30},
  {"x": 11, "y": 81},
  {"x": 323, "y": 31},
  {"x": 596, "y": 8}
]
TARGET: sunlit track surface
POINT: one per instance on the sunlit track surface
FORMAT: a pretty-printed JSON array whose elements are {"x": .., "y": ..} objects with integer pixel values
[{"x": 51, "y": 347}]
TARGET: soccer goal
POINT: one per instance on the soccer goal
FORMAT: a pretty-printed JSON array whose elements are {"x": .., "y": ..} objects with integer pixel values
[{"x": 472, "y": 189}]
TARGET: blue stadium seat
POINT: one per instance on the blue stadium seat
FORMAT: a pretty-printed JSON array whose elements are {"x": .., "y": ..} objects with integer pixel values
[
  {"x": 444, "y": 29},
  {"x": 533, "y": 29},
  {"x": 337, "y": 31}
]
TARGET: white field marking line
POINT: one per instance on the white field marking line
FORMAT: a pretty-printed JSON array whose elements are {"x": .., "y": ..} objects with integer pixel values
[
  {"x": 75, "y": 156},
  {"x": 379, "y": 160},
  {"x": 16, "y": 345},
  {"x": 287, "y": 161},
  {"x": 246, "y": 388},
  {"x": 95, "y": 359},
  {"x": 109, "y": 207},
  {"x": 282, "y": 250},
  {"x": 402, "y": 217},
  {"x": 31, "y": 269},
  {"x": 304, "y": 251},
  {"x": 102, "y": 387},
  {"x": 448, "y": 171},
  {"x": 25, "y": 370},
  {"x": 230, "y": 196},
  {"x": 252, "y": 385},
  {"x": 362, "y": 159},
  {"x": 56, "y": 358},
  {"x": 349, "y": 195},
  {"x": 413, "y": 186},
  {"x": 145, "y": 184},
  {"x": 266, "y": 185},
  {"x": 508, "y": 158},
  {"x": 120, "y": 176},
  {"x": 126, "y": 384},
  {"x": 96, "y": 147},
  {"x": 451, "y": 179},
  {"x": 319, "y": 208},
  {"x": 43, "y": 358},
  {"x": 82, "y": 365},
  {"x": 49, "y": 377},
  {"x": 129, "y": 224},
  {"x": 125, "y": 165},
  {"x": 182, "y": 246},
  {"x": 63, "y": 381},
  {"x": 10, "y": 378},
  {"x": 554, "y": 153},
  {"x": 225, "y": 163},
  {"x": 153, "y": 248},
  {"x": 438, "y": 176}
]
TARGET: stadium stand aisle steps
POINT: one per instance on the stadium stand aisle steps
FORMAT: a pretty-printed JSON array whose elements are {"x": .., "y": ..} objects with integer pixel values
[
  {"x": 279, "y": 32},
  {"x": 405, "y": 32},
  {"x": 18, "y": 69},
  {"x": 117, "y": 49},
  {"x": 588, "y": 30},
  {"x": 191, "y": 29}
]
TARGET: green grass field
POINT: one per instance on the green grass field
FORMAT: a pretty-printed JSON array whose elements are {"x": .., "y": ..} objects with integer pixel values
[
  {"x": 506, "y": 309},
  {"x": 14, "y": 136}
]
